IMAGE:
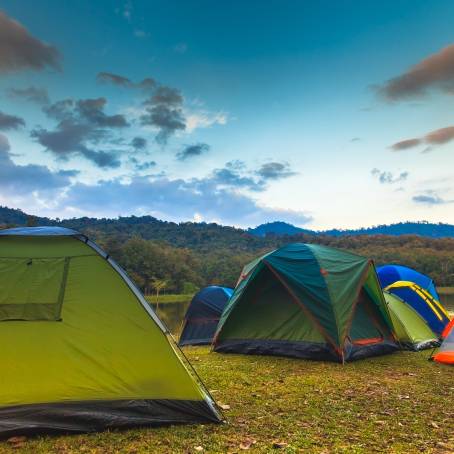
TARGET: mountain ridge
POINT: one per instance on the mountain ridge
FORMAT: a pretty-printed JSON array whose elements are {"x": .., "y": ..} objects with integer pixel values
[
  {"x": 421, "y": 228},
  {"x": 13, "y": 216}
]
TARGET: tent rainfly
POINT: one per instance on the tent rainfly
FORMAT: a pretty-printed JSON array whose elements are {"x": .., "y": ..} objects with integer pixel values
[
  {"x": 307, "y": 301},
  {"x": 388, "y": 274},
  {"x": 82, "y": 351},
  {"x": 202, "y": 315}
]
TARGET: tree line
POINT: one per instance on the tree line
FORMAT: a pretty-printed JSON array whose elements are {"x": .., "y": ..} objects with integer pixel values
[
  {"x": 188, "y": 255},
  {"x": 186, "y": 269}
]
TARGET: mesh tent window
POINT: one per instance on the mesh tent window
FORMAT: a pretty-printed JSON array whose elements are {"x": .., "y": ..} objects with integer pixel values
[{"x": 32, "y": 288}]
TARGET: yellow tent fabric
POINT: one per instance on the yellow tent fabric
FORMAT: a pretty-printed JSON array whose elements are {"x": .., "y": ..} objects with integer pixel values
[{"x": 107, "y": 359}]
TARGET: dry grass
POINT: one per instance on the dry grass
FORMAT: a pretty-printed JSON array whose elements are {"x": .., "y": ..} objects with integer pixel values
[{"x": 396, "y": 403}]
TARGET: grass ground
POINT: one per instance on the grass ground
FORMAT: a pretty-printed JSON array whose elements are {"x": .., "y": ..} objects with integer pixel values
[{"x": 397, "y": 403}]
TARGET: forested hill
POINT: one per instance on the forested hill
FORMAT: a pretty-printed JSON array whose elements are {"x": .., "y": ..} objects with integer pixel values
[{"x": 190, "y": 255}]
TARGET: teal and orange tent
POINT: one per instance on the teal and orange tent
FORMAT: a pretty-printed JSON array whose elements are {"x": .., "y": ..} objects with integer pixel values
[{"x": 307, "y": 301}]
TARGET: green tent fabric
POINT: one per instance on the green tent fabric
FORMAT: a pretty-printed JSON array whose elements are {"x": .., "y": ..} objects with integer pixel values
[
  {"x": 81, "y": 349},
  {"x": 307, "y": 301},
  {"x": 411, "y": 329}
]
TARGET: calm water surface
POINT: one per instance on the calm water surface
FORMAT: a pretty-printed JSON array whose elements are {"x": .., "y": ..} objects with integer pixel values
[{"x": 172, "y": 314}]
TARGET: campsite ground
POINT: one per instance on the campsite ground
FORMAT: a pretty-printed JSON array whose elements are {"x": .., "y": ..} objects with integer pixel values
[{"x": 395, "y": 403}]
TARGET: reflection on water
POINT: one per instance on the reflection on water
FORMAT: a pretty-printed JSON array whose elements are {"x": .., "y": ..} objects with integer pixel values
[
  {"x": 448, "y": 301},
  {"x": 172, "y": 314}
]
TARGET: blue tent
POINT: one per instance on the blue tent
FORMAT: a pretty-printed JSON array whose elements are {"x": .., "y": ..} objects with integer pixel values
[
  {"x": 202, "y": 316},
  {"x": 388, "y": 274},
  {"x": 428, "y": 307}
]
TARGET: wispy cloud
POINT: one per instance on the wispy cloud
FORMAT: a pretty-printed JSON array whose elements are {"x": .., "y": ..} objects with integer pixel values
[
  {"x": 385, "y": 177},
  {"x": 31, "y": 94},
  {"x": 429, "y": 198},
  {"x": 125, "y": 82},
  {"x": 196, "y": 119},
  {"x": 191, "y": 151},
  {"x": 8, "y": 122},
  {"x": 180, "y": 48},
  {"x": 275, "y": 171}
]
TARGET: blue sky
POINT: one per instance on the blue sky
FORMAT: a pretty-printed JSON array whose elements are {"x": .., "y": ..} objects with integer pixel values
[{"x": 324, "y": 114}]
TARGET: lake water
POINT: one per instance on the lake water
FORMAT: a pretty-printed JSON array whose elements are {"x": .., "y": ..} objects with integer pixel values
[{"x": 172, "y": 314}]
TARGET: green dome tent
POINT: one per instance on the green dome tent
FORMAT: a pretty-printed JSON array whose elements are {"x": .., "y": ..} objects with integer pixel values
[
  {"x": 412, "y": 331},
  {"x": 307, "y": 301},
  {"x": 82, "y": 350}
]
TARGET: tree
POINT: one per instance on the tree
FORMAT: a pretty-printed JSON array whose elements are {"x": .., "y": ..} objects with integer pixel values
[
  {"x": 158, "y": 285},
  {"x": 32, "y": 221}
]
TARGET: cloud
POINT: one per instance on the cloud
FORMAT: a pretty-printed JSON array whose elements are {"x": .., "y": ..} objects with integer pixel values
[
  {"x": 65, "y": 139},
  {"x": 355, "y": 139},
  {"x": 142, "y": 166},
  {"x": 4, "y": 144},
  {"x": 81, "y": 126},
  {"x": 164, "y": 112},
  {"x": 434, "y": 72},
  {"x": 180, "y": 48},
  {"x": 32, "y": 94},
  {"x": 405, "y": 144},
  {"x": 204, "y": 119},
  {"x": 19, "y": 50},
  {"x": 275, "y": 171},
  {"x": 175, "y": 200},
  {"x": 8, "y": 122},
  {"x": 190, "y": 151},
  {"x": 125, "y": 10},
  {"x": 141, "y": 33},
  {"x": 385, "y": 177},
  {"x": 121, "y": 81},
  {"x": 437, "y": 137},
  {"x": 235, "y": 176},
  {"x": 440, "y": 136},
  {"x": 139, "y": 143},
  {"x": 102, "y": 158},
  {"x": 92, "y": 110},
  {"x": 168, "y": 96},
  {"x": 89, "y": 110},
  {"x": 430, "y": 198},
  {"x": 69, "y": 139},
  {"x": 24, "y": 180}
]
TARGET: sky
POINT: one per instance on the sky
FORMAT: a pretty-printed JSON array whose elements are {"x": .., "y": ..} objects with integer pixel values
[{"x": 324, "y": 114}]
